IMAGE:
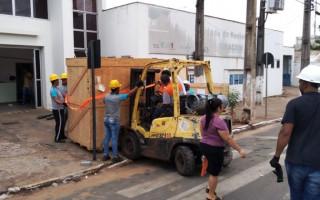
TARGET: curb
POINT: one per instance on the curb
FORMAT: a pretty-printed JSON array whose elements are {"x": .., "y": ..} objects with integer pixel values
[
  {"x": 255, "y": 126},
  {"x": 76, "y": 176}
]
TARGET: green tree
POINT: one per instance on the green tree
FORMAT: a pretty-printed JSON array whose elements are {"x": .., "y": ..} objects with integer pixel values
[
  {"x": 315, "y": 46},
  {"x": 233, "y": 100}
]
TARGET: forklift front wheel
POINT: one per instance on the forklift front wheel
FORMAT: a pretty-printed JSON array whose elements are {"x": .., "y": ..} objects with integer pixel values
[
  {"x": 184, "y": 160},
  {"x": 130, "y": 146}
]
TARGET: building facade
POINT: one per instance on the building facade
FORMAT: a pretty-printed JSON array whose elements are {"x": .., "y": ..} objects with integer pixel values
[{"x": 38, "y": 35}]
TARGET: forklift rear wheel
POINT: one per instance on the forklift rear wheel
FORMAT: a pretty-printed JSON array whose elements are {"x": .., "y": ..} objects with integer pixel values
[
  {"x": 184, "y": 160},
  {"x": 130, "y": 146}
]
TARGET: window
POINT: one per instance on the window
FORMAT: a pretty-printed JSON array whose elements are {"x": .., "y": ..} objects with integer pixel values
[
  {"x": 25, "y": 8},
  {"x": 84, "y": 25},
  {"x": 40, "y": 9},
  {"x": 236, "y": 79},
  {"x": 278, "y": 63},
  {"x": 6, "y": 7},
  {"x": 191, "y": 78}
]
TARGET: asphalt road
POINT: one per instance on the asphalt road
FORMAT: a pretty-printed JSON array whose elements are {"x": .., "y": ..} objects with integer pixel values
[{"x": 145, "y": 179}]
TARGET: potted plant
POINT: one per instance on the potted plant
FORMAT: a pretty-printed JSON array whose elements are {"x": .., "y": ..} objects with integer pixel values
[{"x": 233, "y": 99}]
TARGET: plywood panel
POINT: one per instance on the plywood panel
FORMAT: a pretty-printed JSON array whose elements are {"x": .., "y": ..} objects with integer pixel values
[{"x": 79, "y": 90}]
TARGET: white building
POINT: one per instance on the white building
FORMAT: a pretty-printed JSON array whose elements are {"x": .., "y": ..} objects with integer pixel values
[{"x": 39, "y": 34}]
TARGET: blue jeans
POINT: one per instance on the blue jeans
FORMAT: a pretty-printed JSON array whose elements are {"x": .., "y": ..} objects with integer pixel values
[
  {"x": 27, "y": 92},
  {"x": 304, "y": 181},
  {"x": 112, "y": 131}
]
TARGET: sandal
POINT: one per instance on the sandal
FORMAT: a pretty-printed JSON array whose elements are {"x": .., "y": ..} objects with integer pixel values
[
  {"x": 217, "y": 198},
  {"x": 207, "y": 191}
]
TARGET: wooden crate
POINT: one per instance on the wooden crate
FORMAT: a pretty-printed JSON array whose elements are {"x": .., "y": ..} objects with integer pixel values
[
  {"x": 79, "y": 90},
  {"x": 218, "y": 88}
]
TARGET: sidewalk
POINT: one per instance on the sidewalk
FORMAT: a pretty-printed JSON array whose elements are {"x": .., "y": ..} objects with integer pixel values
[{"x": 29, "y": 158}]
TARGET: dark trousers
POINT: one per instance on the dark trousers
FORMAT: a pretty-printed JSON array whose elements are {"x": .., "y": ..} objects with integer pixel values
[{"x": 60, "y": 123}]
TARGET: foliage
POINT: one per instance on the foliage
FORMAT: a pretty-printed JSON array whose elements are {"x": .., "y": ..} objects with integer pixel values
[
  {"x": 315, "y": 46},
  {"x": 233, "y": 98}
]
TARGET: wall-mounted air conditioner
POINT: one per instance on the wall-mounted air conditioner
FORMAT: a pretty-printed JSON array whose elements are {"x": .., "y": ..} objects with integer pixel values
[{"x": 273, "y": 5}]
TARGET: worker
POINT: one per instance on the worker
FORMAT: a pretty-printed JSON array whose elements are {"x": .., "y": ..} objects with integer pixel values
[
  {"x": 64, "y": 91},
  {"x": 112, "y": 118},
  {"x": 187, "y": 86},
  {"x": 167, "y": 97},
  {"x": 300, "y": 131},
  {"x": 57, "y": 108},
  {"x": 27, "y": 90},
  {"x": 167, "y": 72}
]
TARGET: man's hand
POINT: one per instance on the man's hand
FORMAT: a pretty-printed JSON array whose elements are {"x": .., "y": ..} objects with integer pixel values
[
  {"x": 274, "y": 161},
  {"x": 139, "y": 84}
]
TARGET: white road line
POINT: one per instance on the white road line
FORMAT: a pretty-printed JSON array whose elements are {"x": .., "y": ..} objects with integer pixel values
[
  {"x": 150, "y": 185},
  {"x": 235, "y": 153},
  {"x": 202, "y": 186},
  {"x": 228, "y": 185},
  {"x": 286, "y": 197},
  {"x": 264, "y": 137},
  {"x": 243, "y": 178}
]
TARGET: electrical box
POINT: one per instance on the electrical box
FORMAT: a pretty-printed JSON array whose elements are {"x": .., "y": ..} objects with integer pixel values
[{"x": 272, "y": 6}]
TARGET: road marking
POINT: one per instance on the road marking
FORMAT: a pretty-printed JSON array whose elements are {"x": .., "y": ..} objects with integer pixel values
[
  {"x": 202, "y": 186},
  {"x": 286, "y": 197},
  {"x": 148, "y": 186},
  {"x": 235, "y": 153},
  {"x": 264, "y": 137},
  {"x": 228, "y": 185},
  {"x": 245, "y": 177}
]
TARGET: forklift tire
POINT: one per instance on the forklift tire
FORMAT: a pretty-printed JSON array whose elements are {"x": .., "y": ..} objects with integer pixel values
[
  {"x": 184, "y": 160},
  {"x": 130, "y": 146}
]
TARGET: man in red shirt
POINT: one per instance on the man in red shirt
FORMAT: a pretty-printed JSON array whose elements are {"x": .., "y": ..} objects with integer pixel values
[{"x": 167, "y": 96}]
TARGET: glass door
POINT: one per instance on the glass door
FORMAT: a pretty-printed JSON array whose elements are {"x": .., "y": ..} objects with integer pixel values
[{"x": 37, "y": 78}]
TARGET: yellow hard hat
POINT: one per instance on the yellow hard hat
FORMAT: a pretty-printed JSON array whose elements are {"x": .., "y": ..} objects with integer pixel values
[
  {"x": 54, "y": 77},
  {"x": 114, "y": 84},
  {"x": 64, "y": 76}
]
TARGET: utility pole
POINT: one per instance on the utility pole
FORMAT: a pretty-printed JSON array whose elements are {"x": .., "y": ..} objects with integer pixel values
[
  {"x": 260, "y": 52},
  {"x": 199, "y": 37},
  {"x": 315, "y": 19},
  {"x": 249, "y": 71},
  {"x": 305, "y": 52}
]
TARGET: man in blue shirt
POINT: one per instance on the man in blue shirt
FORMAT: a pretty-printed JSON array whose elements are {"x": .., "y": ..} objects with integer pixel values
[
  {"x": 112, "y": 117},
  {"x": 57, "y": 108},
  {"x": 301, "y": 132}
]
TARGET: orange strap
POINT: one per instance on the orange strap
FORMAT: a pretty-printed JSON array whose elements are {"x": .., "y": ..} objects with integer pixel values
[
  {"x": 204, "y": 166},
  {"x": 85, "y": 103}
]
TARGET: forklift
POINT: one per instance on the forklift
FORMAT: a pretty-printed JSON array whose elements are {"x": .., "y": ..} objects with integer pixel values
[{"x": 175, "y": 136}]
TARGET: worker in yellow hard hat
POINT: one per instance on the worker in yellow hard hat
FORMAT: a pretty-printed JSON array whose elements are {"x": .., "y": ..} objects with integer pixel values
[
  {"x": 57, "y": 108},
  {"x": 64, "y": 90},
  {"x": 112, "y": 117}
]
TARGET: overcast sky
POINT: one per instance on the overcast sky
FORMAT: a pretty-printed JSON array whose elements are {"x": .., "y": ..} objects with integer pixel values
[{"x": 289, "y": 20}]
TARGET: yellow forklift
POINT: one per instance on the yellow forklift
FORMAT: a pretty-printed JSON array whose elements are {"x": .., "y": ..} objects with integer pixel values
[{"x": 175, "y": 136}]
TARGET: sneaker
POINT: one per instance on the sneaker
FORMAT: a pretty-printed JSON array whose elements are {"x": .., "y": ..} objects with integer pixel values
[
  {"x": 105, "y": 157},
  {"x": 117, "y": 159}
]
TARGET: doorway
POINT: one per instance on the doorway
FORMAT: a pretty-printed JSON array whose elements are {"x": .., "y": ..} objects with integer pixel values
[
  {"x": 287, "y": 70},
  {"x": 14, "y": 63}
]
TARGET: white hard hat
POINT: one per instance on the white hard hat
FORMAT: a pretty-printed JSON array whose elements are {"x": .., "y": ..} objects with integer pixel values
[
  {"x": 186, "y": 82},
  {"x": 310, "y": 73}
]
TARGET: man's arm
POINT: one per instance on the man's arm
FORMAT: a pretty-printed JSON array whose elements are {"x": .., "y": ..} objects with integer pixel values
[{"x": 283, "y": 137}]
